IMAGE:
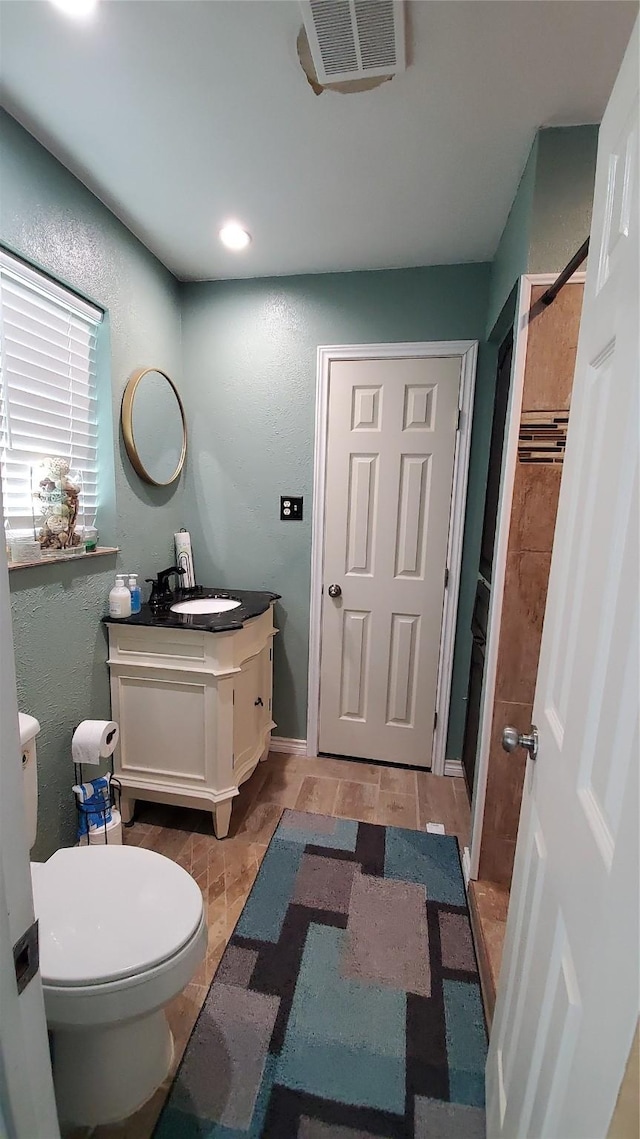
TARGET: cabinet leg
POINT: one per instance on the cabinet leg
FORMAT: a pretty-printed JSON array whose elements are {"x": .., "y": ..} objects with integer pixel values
[
  {"x": 222, "y": 818},
  {"x": 127, "y": 807}
]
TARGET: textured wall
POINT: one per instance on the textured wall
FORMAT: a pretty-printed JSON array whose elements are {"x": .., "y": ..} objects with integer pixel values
[
  {"x": 550, "y": 215},
  {"x": 49, "y": 217},
  {"x": 250, "y": 376},
  {"x": 512, "y": 255},
  {"x": 563, "y": 196}
]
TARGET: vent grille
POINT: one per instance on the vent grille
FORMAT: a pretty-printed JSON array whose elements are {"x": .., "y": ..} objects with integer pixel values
[{"x": 355, "y": 39}]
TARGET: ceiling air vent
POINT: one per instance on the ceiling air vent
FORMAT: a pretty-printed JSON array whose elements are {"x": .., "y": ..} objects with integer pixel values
[{"x": 355, "y": 39}]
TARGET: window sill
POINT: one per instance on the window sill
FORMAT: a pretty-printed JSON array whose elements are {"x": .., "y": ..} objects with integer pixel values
[{"x": 50, "y": 560}]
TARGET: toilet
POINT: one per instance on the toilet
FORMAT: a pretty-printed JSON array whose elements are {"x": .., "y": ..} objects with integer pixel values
[{"x": 121, "y": 931}]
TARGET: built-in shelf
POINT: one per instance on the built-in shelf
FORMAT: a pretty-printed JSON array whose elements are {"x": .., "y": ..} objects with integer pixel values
[{"x": 101, "y": 552}]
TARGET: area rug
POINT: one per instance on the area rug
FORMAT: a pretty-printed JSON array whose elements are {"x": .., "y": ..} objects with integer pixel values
[{"x": 347, "y": 1004}]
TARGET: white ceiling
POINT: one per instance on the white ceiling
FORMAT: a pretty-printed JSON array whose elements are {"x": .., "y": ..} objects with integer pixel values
[{"x": 181, "y": 113}]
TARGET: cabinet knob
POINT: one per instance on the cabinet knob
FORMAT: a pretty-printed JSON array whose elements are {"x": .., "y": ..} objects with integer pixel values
[{"x": 258, "y": 703}]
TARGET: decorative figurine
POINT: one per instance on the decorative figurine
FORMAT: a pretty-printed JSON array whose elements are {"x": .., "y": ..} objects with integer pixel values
[{"x": 57, "y": 497}]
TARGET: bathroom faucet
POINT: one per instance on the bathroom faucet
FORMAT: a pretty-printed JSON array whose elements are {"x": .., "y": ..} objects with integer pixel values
[{"x": 160, "y": 591}]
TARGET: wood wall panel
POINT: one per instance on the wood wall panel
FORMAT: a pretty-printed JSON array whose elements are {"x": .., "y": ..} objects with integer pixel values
[
  {"x": 551, "y": 350},
  {"x": 504, "y": 794},
  {"x": 525, "y": 597},
  {"x": 535, "y": 505}
]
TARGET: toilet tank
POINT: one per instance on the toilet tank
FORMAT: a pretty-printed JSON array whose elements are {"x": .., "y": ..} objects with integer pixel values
[{"x": 29, "y": 728}]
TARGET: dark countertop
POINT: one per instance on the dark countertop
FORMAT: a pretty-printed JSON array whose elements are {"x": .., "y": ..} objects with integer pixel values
[{"x": 251, "y": 605}]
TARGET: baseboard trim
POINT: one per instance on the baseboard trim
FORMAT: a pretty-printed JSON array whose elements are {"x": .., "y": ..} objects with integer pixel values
[
  {"x": 453, "y": 767},
  {"x": 291, "y": 747}
]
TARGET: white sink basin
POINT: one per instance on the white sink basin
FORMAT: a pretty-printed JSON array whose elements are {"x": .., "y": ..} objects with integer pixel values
[{"x": 205, "y": 605}]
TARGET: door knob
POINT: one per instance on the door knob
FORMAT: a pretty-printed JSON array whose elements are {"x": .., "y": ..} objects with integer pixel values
[
  {"x": 334, "y": 591},
  {"x": 512, "y": 738}
]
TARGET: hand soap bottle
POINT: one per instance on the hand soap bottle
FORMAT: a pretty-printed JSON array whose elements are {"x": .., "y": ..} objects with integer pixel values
[
  {"x": 119, "y": 599},
  {"x": 136, "y": 593}
]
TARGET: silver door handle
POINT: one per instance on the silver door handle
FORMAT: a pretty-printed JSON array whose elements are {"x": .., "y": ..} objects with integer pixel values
[
  {"x": 334, "y": 591},
  {"x": 512, "y": 738}
]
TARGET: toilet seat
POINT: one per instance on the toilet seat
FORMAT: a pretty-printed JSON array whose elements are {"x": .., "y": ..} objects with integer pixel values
[{"x": 108, "y": 914}]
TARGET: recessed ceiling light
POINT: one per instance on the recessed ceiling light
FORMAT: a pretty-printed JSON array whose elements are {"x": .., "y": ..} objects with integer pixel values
[
  {"x": 78, "y": 9},
  {"x": 234, "y": 236}
]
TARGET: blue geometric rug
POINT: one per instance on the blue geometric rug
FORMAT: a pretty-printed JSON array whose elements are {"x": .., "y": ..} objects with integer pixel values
[{"x": 347, "y": 1004}]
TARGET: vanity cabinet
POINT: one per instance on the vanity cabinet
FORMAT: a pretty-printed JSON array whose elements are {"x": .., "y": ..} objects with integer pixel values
[{"x": 194, "y": 709}]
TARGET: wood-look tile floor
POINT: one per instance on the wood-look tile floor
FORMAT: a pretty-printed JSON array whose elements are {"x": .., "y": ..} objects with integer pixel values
[
  {"x": 489, "y": 905},
  {"x": 225, "y": 870}
]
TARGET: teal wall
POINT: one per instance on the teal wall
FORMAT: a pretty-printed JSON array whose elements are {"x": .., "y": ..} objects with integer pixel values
[
  {"x": 250, "y": 376},
  {"x": 50, "y": 218},
  {"x": 512, "y": 255},
  {"x": 550, "y": 216},
  {"x": 563, "y": 196}
]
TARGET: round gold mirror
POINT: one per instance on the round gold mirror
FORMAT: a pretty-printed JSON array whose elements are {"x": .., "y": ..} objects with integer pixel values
[{"x": 153, "y": 426}]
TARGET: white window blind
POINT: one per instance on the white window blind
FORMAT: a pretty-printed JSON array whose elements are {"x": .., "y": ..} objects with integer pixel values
[{"x": 47, "y": 385}]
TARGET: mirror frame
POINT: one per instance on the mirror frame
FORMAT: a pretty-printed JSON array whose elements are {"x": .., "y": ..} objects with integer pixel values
[{"x": 126, "y": 420}]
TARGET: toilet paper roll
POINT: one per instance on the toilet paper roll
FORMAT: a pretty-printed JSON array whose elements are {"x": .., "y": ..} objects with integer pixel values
[
  {"x": 184, "y": 559},
  {"x": 112, "y": 832},
  {"x": 94, "y": 740}
]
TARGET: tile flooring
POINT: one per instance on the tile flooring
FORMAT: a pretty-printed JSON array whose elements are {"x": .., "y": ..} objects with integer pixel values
[
  {"x": 225, "y": 871},
  {"x": 489, "y": 903}
]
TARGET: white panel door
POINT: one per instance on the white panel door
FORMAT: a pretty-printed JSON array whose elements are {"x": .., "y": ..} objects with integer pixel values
[
  {"x": 568, "y": 995},
  {"x": 390, "y": 453},
  {"x": 27, "y": 1104}
]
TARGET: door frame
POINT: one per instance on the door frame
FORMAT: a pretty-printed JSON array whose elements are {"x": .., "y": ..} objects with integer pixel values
[
  {"x": 471, "y": 856},
  {"x": 422, "y": 350}
]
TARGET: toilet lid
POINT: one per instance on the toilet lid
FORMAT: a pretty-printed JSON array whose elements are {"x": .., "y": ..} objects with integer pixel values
[{"x": 107, "y": 912}]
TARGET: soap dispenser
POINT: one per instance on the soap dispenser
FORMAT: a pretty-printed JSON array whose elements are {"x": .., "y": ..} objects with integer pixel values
[
  {"x": 136, "y": 593},
  {"x": 119, "y": 599}
]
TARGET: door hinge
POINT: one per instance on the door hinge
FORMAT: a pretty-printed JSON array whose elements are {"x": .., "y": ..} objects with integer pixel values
[
  {"x": 446, "y": 577},
  {"x": 270, "y": 654},
  {"x": 435, "y": 720},
  {"x": 26, "y": 956},
  {"x": 233, "y": 696}
]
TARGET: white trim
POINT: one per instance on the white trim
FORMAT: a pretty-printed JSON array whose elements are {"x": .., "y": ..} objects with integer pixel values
[
  {"x": 468, "y": 350},
  {"x": 466, "y": 867},
  {"x": 288, "y": 746},
  {"x": 453, "y": 767},
  {"x": 454, "y": 558},
  {"x": 509, "y": 463}
]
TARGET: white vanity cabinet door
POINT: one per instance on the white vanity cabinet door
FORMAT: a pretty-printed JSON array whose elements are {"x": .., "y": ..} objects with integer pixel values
[
  {"x": 251, "y": 712},
  {"x": 267, "y": 690},
  {"x": 162, "y": 721},
  {"x": 194, "y": 710}
]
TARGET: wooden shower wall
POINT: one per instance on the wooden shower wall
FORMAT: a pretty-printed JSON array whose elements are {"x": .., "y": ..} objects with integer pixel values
[{"x": 549, "y": 368}]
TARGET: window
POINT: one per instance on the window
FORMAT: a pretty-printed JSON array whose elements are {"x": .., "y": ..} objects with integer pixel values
[{"x": 47, "y": 385}]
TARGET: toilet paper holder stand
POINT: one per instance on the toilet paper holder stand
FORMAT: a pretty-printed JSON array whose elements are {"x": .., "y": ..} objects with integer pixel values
[{"x": 112, "y": 801}]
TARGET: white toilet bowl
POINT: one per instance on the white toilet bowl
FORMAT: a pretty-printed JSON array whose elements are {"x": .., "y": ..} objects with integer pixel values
[{"x": 122, "y": 931}]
